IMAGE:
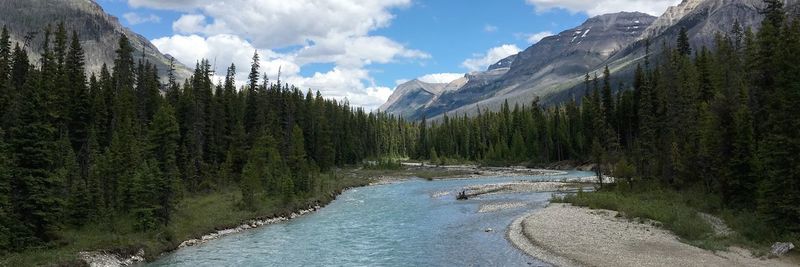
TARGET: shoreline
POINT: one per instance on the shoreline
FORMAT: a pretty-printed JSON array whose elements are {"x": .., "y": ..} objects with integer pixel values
[
  {"x": 565, "y": 235},
  {"x": 105, "y": 258}
]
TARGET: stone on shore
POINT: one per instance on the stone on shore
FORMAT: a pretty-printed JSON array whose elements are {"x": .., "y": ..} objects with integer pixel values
[{"x": 781, "y": 248}]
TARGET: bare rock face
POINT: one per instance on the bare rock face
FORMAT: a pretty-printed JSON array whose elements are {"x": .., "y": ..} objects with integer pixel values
[
  {"x": 549, "y": 63},
  {"x": 521, "y": 78},
  {"x": 98, "y": 31},
  {"x": 411, "y": 96}
]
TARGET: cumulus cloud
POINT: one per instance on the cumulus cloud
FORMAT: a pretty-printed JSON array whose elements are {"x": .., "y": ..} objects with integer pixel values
[
  {"x": 345, "y": 84},
  {"x": 224, "y": 49},
  {"x": 440, "y": 77},
  {"x": 599, "y": 7},
  {"x": 171, "y": 4},
  {"x": 489, "y": 28},
  {"x": 136, "y": 18},
  {"x": 357, "y": 51},
  {"x": 536, "y": 37},
  {"x": 189, "y": 23},
  {"x": 305, "y": 31},
  {"x": 277, "y": 23},
  {"x": 482, "y": 61},
  {"x": 342, "y": 82}
]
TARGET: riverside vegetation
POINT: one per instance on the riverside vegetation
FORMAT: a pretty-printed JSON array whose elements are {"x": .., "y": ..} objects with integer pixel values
[{"x": 110, "y": 162}]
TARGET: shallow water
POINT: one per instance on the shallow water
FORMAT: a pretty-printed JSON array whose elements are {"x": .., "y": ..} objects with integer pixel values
[{"x": 403, "y": 224}]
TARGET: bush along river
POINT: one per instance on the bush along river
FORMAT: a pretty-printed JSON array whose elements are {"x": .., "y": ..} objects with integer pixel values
[{"x": 410, "y": 223}]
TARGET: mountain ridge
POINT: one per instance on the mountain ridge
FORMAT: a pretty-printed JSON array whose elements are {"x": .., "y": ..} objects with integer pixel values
[{"x": 99, "y": 32}]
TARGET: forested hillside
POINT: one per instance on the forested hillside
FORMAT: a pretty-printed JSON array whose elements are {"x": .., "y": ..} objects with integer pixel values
[
  {"x": 118, "y": 146},
  {"x": 723, "y": 121}
]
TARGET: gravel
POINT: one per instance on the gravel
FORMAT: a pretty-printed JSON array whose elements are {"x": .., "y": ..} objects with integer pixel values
[
  {"x": 564, "y": 235},
  {"x": 498, "y": 206},
  {"x": 520, "y": 187}
]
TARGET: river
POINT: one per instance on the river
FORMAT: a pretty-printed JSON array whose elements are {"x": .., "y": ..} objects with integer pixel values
[{"x": 408, "y": 223}]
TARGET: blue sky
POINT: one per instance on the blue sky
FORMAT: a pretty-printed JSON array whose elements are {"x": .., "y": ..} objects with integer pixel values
[{"x": 357, "y": 49}]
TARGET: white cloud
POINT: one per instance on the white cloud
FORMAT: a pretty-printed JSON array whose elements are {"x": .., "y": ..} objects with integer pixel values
[
  {"x": 536, "y": 37},
  {"x": 135, "y": 18},
  {"x": 357, "y": 51},
  {"x": 170, "y": 4},
  {"x": 599, "y": 7},
  {"x": 306, "y": 31},
  {"x": 489, "y": 28},
  {"x": 495, "y": 54},
  {"x": 351, "y": 83},
  {"x": 277, "y": 23},
  {"x": 189, "y": 23},
  {"x": 440, "y": 77},
  {"x": 224, "y": 49},
  {"x": 345, "y": 83}
]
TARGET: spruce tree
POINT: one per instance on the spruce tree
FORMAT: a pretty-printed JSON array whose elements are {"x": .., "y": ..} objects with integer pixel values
[
  {"x": 5, "y": 71},
  {"x": 6, "y": 220},
  {"x": 80, "y": 103},
  {"x": 256, "y": 176},
  {"x": 684, "y": 47},
  {"x": 163, "y": 140},
  {"x": 35, "y": 185}
]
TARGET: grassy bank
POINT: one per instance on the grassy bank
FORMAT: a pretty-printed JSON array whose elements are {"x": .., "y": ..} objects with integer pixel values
[
  {"x": 677, "y": 211},
  {"x": 195, "y": 216}
]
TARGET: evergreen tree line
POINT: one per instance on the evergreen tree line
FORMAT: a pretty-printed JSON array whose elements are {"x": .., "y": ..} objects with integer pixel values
[
  {"x": 724, "y": 121},
  {"x": 120, "y": 144}
]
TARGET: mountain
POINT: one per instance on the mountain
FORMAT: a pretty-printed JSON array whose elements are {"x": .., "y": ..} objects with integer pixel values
[
  {"x": 553, "y": 70},
  {"x": 543, "y": 66},
  {"x": 98, "y": 31},
  {"x": 415, "y": 98},
  {"x": 411, "y": 96}
]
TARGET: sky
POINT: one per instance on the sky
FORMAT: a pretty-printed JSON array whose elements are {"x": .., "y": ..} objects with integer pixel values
[{"x": 358, "y": 50}]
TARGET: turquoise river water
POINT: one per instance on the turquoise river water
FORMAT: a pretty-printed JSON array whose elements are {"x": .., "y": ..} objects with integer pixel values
[{"x": 409, "y": 223}]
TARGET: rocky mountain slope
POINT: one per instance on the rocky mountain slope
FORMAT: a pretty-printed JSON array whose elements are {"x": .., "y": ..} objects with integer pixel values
[
  {"x": 571, "y": 53},
  {"x": 99, "y": 32},
  {"x": 553, "y": 69},
  {"x": 411, "y": 96}
]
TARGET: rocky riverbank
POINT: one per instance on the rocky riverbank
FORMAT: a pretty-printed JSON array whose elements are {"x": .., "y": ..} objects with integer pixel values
[
  {"x": 565, "y": 235},
  {"x": 103, "y": 258}
]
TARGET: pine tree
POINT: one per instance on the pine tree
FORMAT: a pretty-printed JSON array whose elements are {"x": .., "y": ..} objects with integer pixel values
[
  {"x": 256, "y": 176},
  {"x": 144, "y": 201},
  {"x": 6, "y": 220},
  {"x": 35, "y": 186},
  {"x": 779, "y": 147},
  {"x": 80, "y": 103},
  {"x": 423, "y": 147},
  {"x": 608, "y": 98},
  {"x": 163, "y": 140},
  {"x": 6, "y": 97},
  {"x": 298, "y": 161},
  {"x": 742, "y": 163},
  {"x": 123, "y": 102},
  {"x": 684, "y": 48},
  {"x": 252, "y": 117}
]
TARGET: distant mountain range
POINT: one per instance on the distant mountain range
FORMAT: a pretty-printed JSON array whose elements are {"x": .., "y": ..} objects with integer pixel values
[
  {"x": 553, "y": 69},
  {"x": 99, "y": 32}
]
